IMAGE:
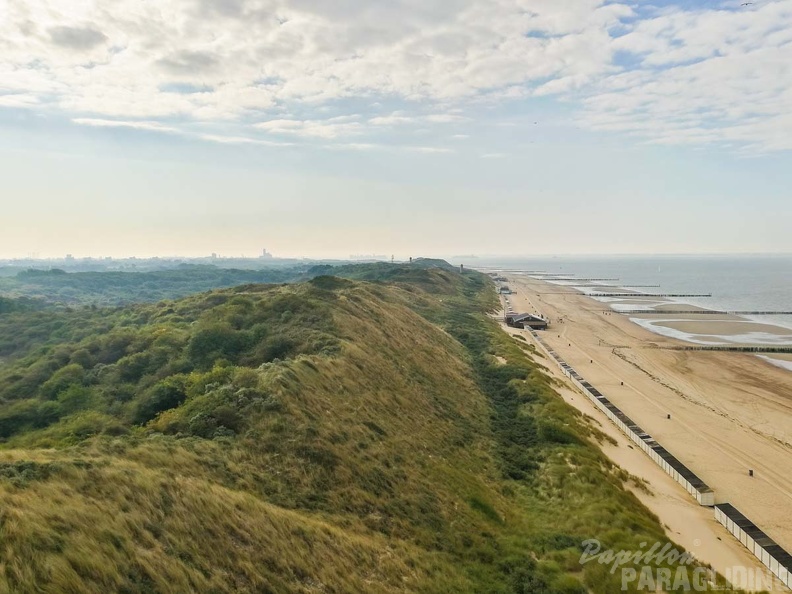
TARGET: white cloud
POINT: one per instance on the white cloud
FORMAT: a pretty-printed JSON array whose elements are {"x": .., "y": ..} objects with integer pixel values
[
  {"x": 241, "y": 140},
  {"x": 687, "y": 75},
  {"x": 429, "y": 149},
  {"x": 139, "y": 125},
  {"x": 402, "y": 118},
  {"x": 702, "y": 77},
  {"x": 330, "y": 128},
  {"x": 112, "y": 56},
  {"x": 354, "y": 146},
  {"x": 445, "y": 118},
  {"x": 396, "y": 118},
  {"x": 77, "y": 38},
  {"x": 360, "y": 146},
  {"x": 18, "y": 100}
]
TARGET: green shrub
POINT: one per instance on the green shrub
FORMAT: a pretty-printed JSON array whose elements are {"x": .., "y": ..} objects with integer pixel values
[
  {"x": 27, "y": 414},
  {"x": 163, "y": 396},
  {"x": 63, "y": 378},
  {"x": 75, "y": 398}
]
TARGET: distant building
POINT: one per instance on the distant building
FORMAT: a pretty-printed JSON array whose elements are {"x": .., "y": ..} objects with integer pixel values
[
  {"x": 504, "y": 290},
  {"x": 525, "y": 321},
  {"x": 369, "y": 257},
  {"x": 266, "y": 255}
]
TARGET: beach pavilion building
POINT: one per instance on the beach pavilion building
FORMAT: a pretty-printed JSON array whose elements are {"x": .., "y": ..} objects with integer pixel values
[{"x": 516, "y": 320}]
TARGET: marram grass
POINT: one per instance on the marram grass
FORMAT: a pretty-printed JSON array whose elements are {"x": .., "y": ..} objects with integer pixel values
[{"x": 330, "y": 436}]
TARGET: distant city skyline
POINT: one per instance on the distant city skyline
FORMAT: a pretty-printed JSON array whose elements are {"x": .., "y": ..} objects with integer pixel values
[
  {"x": 329, "y": 129},
  {"x": 472, "y": 259}
]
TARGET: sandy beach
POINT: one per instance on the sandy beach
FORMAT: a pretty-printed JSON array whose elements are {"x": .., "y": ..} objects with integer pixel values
[
  {"x": 730, "y": 412},
  {"x": 713, "y": 329}
]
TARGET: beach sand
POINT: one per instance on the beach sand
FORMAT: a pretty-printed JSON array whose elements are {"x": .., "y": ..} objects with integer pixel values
[
  {"x": 688, "y": 524},
  {"x": 730, "y": 412}
]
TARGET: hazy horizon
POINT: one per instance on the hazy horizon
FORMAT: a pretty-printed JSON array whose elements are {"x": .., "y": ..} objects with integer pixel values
[{"x": 396, "y": 257}]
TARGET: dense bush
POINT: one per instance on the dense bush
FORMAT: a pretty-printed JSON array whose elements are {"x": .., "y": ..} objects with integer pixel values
[
  {"x": 207, "y": 345},
  {"x": 136, "y": 362},
  {"x": 34, "y": 287},
  {"x": 163, "y": 396}
]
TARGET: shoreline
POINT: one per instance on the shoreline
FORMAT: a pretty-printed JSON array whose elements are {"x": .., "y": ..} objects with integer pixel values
[
  {"x": 731, "y": 411},
  {"x": 718, "y": 329}
]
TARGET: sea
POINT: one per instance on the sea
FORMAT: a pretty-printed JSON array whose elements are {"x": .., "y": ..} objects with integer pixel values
[{"x": 736, "y": 282}]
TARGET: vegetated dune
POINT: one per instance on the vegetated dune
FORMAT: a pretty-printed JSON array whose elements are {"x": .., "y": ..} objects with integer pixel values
[
  {"x": 329, "y": 436},
  {"x": 111, "y": 287}
]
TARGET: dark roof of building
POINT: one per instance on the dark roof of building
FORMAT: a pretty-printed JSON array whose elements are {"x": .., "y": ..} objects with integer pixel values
[
  {"x": 523, "y": 317},
  {"x": 767, "y": 543}
]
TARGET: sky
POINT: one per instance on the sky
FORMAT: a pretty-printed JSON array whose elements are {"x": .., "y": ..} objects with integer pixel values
[{"x": 325, "y": 129}]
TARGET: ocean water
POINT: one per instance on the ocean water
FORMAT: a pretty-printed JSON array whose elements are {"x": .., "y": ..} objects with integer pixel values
[{"x": 745, "y": 282}]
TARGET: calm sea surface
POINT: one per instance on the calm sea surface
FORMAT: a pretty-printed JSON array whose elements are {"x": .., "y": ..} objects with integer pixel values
[{"x": 756, "y": 283}]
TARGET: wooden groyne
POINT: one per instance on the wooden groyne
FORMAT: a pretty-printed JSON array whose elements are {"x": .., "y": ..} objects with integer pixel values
[
  {"x": 647, "y": 312},
  {"x": 648, "y": 294},
  {"x": 624, "y": 285},
  {"x": 727, "y": 349},
  {"x": 585, "y": 280},
  {"x": 498, "y": 269}
]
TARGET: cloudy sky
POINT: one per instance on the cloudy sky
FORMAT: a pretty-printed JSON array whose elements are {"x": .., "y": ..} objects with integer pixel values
[{"x": 330, "y": 128}]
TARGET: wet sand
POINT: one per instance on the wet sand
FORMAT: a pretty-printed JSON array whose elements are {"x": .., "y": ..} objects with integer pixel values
[
  {"x": 779, "y": 360},
  {"x": 724, "y": 329}
]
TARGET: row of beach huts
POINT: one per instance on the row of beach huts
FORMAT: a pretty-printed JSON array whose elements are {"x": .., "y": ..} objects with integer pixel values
[{"x": 772, "y": 555}]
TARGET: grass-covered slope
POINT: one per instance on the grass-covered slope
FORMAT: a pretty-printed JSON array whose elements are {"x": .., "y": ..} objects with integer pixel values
[{"x": 330, "y": 436}]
